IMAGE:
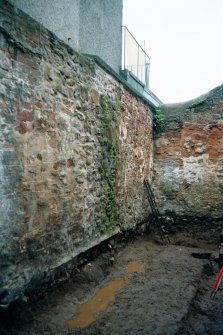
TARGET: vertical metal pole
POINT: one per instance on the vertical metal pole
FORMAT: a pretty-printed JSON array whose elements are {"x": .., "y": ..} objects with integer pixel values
[{"x": 147, "y": 75}]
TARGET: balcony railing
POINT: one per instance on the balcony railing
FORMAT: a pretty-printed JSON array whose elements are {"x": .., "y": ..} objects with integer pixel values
[{"x": 134, "y": 58}]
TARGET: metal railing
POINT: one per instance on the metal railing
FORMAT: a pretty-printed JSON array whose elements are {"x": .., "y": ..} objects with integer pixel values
[{"x": 134, "y": 57}]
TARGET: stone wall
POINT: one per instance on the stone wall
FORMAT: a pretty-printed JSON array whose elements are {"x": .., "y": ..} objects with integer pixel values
[
  {"x": 75, "y": 146},
  {"x": 188, "y": 171}
]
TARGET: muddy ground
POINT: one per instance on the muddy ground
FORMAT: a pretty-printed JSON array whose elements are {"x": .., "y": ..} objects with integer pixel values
[{"x": 136, "y": 286}]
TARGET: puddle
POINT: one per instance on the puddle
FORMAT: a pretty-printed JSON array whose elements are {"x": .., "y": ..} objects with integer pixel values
[
  {"x": 133, "y": 267},
  {"x": 88, "y": 312}
]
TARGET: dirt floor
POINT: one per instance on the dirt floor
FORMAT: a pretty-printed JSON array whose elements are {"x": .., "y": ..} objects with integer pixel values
[{"x": 137, "y": 287}]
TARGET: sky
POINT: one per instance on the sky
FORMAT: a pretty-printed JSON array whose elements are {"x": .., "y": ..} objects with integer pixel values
[{"x": 184, "y": 39}]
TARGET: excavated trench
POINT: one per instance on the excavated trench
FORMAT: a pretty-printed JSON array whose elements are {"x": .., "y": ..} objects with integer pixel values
[{"x": 136, "y": 285}]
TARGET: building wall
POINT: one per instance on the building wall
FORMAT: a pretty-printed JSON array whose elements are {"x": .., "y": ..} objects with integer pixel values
[
  {"x": 188, "y": 170},
  {"x": 88, "y": 26},
  {"x": 101, "y": 31},
  {"x": 61, "y": 17},
  {"x": 73, "y": 154}
]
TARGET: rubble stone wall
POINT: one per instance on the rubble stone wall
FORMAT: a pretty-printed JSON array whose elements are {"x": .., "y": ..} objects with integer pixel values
[
  {"x": 75, "y": 147},
  {"x": 188, "y": 170}
]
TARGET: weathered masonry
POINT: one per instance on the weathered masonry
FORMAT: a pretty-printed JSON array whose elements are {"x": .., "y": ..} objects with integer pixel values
[
  {"x": 75, "y": 147},
  {"x": 188, "y": 159}
]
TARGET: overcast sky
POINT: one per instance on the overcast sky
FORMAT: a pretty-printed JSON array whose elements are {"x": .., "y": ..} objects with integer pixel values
[{"x": 184, "y": 39}]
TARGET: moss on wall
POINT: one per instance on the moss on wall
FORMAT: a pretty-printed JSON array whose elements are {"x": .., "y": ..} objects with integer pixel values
[
  {"x": 108, "y": 165},
  {"x": 158, "y": 122}
]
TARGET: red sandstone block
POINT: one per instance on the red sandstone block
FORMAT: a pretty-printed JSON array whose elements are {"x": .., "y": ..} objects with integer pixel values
[
  {"x": 25, "y": 116},
  {"x": 22, "y": 128}
]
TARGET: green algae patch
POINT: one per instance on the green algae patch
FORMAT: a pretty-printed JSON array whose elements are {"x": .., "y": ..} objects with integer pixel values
[{"x": 109, "y": 160}]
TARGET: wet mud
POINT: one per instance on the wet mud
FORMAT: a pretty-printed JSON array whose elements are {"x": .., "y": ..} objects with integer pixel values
[
  {"x": 149, "y": 288},
  {"x": 89, "y": 311}
]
